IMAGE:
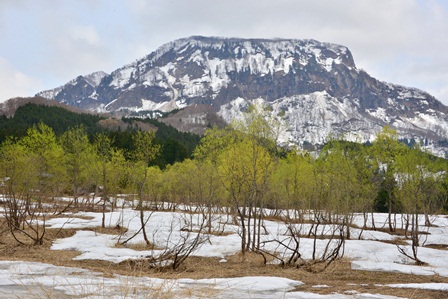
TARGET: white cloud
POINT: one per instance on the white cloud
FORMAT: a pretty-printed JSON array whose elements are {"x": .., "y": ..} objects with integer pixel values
[
  {"x": 85, "y": 34},
  {"x": 73, "y": 47},
  {"x": 15, "y": 83},
  {"x": 439, "y": 93}
]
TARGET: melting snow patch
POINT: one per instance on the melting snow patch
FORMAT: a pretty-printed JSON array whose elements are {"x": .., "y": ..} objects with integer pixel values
[{"x": 392, "y": 267}]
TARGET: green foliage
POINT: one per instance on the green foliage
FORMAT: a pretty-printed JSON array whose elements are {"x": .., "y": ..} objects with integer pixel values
[
  {"x": 122, "y": 139},
  {"x": 145, "y": 149},
  {"x": 173, "y": 151},
  {"x": 353, "y": 165},
  {"x": 214, "y": 142},
  {"x": 165, "y": 132},
  {"x": 40, "y": 141},
  {"x": 16, "y": 167},
  {"x": 291, "y": 185},
  {"x": 381, "y": 201},
  {"x": 419, "y": 182},
  {"x": 103, "y": 147},
  {"x": 79, "y": 156},
  {"x": 245, "y": 167},
  {"x": 111, "y": 169},
  {"x": 387, "y": 147}
]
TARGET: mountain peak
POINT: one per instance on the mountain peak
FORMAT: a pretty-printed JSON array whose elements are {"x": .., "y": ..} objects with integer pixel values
[
  {"x": 313, "y": 88},
  {"x": 95, "y": 78}
]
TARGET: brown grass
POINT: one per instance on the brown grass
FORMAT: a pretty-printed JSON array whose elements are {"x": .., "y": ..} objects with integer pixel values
[
  {"x": 437, "y": 246},
  {"x": 398, "y": 231},
  {"x": 139, "y": 246},
  {"x": 396, "y": 241}
]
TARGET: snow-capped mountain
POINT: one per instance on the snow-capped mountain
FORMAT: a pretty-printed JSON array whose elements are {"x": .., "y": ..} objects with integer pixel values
[
  {"x": 313, "y": 89},
  {"x": 79, "y": 92}
]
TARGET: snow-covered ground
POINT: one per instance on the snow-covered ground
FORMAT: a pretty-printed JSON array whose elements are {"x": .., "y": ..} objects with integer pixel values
[{"x": 38, "y": 280}]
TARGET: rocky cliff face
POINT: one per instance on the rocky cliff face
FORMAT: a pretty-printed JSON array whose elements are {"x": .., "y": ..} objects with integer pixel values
[{"x": 313, "y": 89}]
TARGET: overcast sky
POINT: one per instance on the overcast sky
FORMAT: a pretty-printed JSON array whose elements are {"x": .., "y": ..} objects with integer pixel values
[{"x": 46, "y": 43}]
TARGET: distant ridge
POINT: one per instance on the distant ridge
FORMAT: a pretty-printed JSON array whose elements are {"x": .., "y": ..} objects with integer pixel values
[
  {"x": 9, "y": 107},
  {"x": 313, "y": 89}
]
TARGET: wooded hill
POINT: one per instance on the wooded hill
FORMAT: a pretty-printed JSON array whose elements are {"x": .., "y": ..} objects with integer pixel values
[{"x": 175, "y": 145}]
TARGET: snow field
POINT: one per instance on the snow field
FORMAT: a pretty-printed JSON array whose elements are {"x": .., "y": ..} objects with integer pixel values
[{"x": 167, "y": 229}]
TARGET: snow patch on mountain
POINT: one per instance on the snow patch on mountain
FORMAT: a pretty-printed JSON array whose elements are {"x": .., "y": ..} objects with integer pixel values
[
  {"x": 233, "y": 110},
  {"x": 95, "y": 78},
  {"x": 52, "y": 93},
  {"x": 163, "y": 106},
  {"x": 312, "y": 118},
  {"x": 430, "y": 122},
  {"x": 122, "y": 77},
  {"x": 380, "y": 113}
]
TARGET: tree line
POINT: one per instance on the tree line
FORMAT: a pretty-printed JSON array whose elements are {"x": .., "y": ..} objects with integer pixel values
[{"x": 239, "y": 171}]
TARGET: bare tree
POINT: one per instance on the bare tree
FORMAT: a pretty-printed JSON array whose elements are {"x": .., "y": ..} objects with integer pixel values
[
  {"x": 328, "y": 246},
  {"x": 185, "y": 235}
]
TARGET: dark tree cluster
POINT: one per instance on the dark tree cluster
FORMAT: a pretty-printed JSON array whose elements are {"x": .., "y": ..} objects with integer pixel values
[{"x": 175, "y": 146}]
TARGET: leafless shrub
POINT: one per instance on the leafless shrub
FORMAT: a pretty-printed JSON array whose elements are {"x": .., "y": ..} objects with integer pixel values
[
  {"x": 289, "y": 250},
  {"x": 190, "y": 240},
  {"x": 170, "y": 249},
  {"x": 25, "y": 218}
]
